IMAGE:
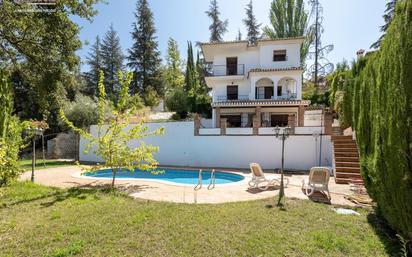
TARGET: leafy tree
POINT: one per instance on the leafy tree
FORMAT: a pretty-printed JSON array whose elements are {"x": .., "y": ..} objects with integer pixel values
[
  {"x": 252, "y": 25},
  {"x": 94, "y": 60},
  {"x": 43, "y": 45},
  {"x": 114, "y": 134},
  {"x": 10, "y": 134},
  {"x": 112, "y": 60},
  {"x": 144, "y": 57},
  {"x": 289, "y": 18},
  {"x": 173, "y": 74},
  {"x": 388, "y": 17},
  {"x": 321, "y": 66},
  {"x": 218, "y": 27},
  {"x": 82, "y": 112}
]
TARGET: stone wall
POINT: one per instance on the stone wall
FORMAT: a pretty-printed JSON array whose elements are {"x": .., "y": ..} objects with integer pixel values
[{"x": 64, "y": 146}]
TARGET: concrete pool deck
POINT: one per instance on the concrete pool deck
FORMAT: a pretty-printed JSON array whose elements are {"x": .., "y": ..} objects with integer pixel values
[{"x": 67, "y": 177}]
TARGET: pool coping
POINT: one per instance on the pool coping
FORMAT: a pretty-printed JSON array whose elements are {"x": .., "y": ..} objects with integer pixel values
[{"x": 242, "y": 182}]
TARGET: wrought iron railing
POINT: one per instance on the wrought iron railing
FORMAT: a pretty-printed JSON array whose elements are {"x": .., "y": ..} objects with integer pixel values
[
  {"x": 225, "y": 98},
  {"x": 224, "y": 70}
]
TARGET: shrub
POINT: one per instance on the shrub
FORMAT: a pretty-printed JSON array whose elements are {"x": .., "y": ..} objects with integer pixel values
[
  {"x": 10, "y": 134},
  {"x": 177, "y": 101}
]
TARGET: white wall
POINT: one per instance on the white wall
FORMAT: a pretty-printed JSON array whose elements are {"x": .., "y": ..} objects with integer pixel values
[
  {"x": 179, "y": 147},
  {"x": 292, "y": 56}
]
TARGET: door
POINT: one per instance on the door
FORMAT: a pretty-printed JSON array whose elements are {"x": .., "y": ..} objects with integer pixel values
[
  {"x": 232, "y": 92},
  {"x": 268, "y": 92},
  {"x": 233, "y": 121},
  {"x": 231, "y": 66}
]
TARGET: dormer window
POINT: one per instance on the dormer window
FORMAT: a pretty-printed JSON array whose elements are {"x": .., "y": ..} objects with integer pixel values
[{"x": 279, "y": 55}]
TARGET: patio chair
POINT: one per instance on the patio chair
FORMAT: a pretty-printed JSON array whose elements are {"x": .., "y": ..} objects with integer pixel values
[
  {"x": 259, "y": 180},
  {"x": 318, "y": 181}
]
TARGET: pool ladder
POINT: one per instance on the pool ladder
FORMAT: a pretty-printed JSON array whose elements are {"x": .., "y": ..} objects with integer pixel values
[{"x": 199, "y": 185}]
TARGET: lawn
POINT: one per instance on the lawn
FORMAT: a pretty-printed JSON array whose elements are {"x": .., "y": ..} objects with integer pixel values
[
  {"x": 42, "y": 221},
  {"x": 26, "y": 164}
]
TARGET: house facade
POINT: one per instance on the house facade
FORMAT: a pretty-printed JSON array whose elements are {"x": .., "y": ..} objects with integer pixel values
[{"x": 255, "y": 85}]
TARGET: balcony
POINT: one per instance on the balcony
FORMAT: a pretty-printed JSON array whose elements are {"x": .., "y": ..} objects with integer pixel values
[
  {"x": 231, "y": 98},
  {"x": 225, "y": 70}
]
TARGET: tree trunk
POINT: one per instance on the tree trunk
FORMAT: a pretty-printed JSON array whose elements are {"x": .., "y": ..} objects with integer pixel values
[{"x": 114, "y": 176}]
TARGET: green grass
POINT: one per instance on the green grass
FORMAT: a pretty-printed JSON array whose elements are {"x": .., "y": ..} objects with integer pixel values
[
  {"x": 43, "y": 221},
  {"x": 26, "y": 164}
]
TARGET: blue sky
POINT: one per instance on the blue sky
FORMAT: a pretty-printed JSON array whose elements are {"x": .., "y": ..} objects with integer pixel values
[{"x": 349, "y": 25}]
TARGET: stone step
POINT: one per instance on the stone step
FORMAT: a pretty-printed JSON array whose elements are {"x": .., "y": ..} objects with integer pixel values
[
  {"x": 347, "y": 164},
  {"x": 348, "y": 175},
  {"x": 346, "y": 145},
  {"x": 341, "y": 138},
  {"x": 340, "y": 142},
  {"x": 346, "y": 154},
  {"x": 345, "y": 149},
  {"x": 342, "y": 180},
  {"x": 348, "y": 169},
  {"x": 346, "y": 159}
]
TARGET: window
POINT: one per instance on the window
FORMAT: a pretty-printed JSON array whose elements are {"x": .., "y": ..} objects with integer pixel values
[
  {"x": 280, "y": 120},
  {"x": 231, "y": 66},
  {"x": 279, "y": 55},
  {"x": 279, "y": 91},
  {"x": 264, "y": 92},
  {"x": 232, "y": 92}
]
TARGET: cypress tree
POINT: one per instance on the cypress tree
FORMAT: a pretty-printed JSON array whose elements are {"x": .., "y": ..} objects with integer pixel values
[
  {"x": 218, "y": 27},
  {"x": 252, "y": 24},
  {"x": 144, "y": 57},
  {"x": 191, "y": 78},
  {"x": 94, "y": 60},
  {"x": 383, "y": 122},
  {"x": 112, "y": 60}
]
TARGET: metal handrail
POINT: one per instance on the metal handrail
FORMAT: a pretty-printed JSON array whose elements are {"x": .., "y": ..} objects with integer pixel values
[
  {"x": 225, "y": 70},
  {"x": 199, "y": 183},
  {"x": 212, "y": 180}
]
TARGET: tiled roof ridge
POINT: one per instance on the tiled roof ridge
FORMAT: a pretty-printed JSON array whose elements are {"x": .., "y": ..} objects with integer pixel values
[{"x": 246, "y": 41}]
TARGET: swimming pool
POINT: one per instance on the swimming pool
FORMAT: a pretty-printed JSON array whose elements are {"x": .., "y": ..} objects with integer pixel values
[{"x": 178, "y": 176}]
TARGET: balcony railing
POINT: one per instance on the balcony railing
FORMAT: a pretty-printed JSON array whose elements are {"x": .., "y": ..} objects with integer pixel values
[
  {"x": 225, "y": 98},
  {"x": 225, "y": 70}
]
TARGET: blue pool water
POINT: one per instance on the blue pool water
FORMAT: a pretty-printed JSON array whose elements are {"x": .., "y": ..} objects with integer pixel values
[{"x": 187, "y": 177}]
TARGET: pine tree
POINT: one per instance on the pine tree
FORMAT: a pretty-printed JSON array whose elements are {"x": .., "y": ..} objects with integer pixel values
[
  {"x": 173, "y": 75},
  {"x": 218, "y": 27},
  {"x": 252, "y": 24},
  {"x": 388, "y": 17},
  {"x": 94, "y": 60},
  {"x": 144, "y": 57},
  {"x": 112, "y": 61}
]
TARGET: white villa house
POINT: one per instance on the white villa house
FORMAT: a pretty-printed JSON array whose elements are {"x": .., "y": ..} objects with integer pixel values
[{"x": 255, "y": 86}]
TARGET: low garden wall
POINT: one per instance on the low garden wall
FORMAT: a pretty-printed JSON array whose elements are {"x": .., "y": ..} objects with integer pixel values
[{"x": 180, "y": 147}]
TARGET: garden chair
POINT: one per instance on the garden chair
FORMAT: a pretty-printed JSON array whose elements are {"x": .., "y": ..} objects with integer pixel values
[
  {"x": 259, "y": 180},
  {"x": 318, "y": 181}
]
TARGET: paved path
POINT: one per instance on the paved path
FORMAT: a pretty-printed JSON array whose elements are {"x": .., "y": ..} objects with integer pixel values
[{"x": 65, "y": 177}]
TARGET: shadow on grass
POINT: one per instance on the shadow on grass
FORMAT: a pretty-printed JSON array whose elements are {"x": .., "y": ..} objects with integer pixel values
[
  {"x": 386, "y": 234},
  {"x": 79, "y": 191}
]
